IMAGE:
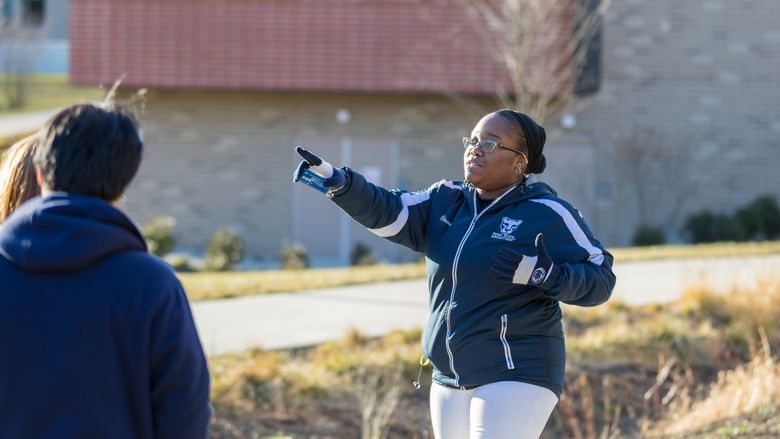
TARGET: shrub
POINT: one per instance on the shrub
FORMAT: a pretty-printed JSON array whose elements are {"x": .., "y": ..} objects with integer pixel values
[
  {"x": 225, "y": 250},
  {"x": 293, "y": 255},
  {"x": 180, "y": 263},
  {"x": 706, "y": 226},
  {"x": 648, "y": 235},
  {"x": 159, "y": 235},
  {"x": 361, "y": 254},
  {"x": 760, "y": 218}
]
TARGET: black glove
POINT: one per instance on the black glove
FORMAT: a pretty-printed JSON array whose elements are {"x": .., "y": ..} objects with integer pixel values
[
  {"x": 517, "y": 268},
  {"x": 318, "y": 173}
]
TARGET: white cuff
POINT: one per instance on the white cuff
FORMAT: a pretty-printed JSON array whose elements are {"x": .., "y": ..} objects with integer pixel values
[
  {"x": 524, "y": 270},
  {"x": 324, "y": 169}
]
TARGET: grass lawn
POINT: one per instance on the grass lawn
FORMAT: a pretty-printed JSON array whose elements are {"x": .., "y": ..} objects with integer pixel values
[
  {"x": 204, "y": 286},
  {"x": 715, "y": 250},
  {"x": 49, "y": 91}
]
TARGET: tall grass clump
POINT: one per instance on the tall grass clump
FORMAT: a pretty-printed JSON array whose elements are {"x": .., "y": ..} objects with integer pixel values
[
  {"x": 740, "y": 391},
  {"x": 346, "y": 388},
  {"x": 741, "y": 313},
  {"x": 668, "y": 369}
]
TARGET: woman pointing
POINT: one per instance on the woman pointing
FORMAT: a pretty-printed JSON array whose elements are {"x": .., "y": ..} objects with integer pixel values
[{"x": 502, "y": 250}]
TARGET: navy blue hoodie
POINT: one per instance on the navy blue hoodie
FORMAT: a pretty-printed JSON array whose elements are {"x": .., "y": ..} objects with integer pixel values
[{"x": 96, "y": 335}]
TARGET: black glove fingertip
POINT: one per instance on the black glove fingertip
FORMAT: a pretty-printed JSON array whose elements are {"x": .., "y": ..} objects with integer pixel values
[{"x": 310, "y": 157}]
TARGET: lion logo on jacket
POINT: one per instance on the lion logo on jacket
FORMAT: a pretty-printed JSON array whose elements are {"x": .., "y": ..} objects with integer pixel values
[{"x": 508, "y": 226}]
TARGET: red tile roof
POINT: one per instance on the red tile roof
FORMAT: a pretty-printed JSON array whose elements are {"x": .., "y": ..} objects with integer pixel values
[{"x": 313, "y": 45}]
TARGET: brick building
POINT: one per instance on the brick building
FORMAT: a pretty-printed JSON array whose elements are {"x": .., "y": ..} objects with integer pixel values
[
  {"x": 34, "y": 36},
  {"x": 390, "y": 86}
]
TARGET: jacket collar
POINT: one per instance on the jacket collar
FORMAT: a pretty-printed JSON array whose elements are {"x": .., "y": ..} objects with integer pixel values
[{"x": 529, "y": 188}]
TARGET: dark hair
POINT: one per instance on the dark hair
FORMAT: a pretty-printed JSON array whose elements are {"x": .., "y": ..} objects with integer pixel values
[
  {"x": 532, "y": 135},
  {"x": 90, "y": 149}
]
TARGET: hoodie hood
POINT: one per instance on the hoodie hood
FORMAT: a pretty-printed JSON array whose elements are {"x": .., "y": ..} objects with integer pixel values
[
  {"x": 66, "y": 232},
  {"x": 532, "y": 187}
]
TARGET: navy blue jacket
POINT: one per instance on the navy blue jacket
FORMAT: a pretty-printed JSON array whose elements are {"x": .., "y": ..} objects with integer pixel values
[
  {"x": 480, "y": 330},
  {"x": 96, "y": 335}
]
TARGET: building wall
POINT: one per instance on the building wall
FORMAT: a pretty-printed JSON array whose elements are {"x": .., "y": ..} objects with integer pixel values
[
  {"x": 691, "y": 88},
  {"x": 55, "y": 22},
  {"x": 43, "y": 48},
  {"x": 223, "y": 159},
  {"x": 696, "y": 84}
]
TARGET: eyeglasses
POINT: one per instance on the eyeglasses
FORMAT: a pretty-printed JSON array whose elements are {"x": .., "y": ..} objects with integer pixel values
[{"x": 488, "y": 146}]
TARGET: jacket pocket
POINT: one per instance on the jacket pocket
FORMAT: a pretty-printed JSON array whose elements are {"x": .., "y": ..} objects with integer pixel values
[{"x": 507, "y": 351}]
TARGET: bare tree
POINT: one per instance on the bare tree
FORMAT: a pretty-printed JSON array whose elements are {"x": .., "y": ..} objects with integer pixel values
[{"x": 550, "y": 49}]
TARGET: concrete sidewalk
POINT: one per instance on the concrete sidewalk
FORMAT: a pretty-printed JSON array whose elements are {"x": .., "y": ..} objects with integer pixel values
[
  {"x": 308, "y": 318},
  {"x": 665, "y": 280},
  {"x": 23, "y": 123}
]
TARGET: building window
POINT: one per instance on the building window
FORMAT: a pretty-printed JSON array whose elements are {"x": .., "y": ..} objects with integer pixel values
[
  {"x": 33, "y": 12},
  {"x": 8, "y": 12}
]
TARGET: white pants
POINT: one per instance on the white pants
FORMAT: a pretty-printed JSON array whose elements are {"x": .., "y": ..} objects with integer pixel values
[{"x": 502, "y": 410}]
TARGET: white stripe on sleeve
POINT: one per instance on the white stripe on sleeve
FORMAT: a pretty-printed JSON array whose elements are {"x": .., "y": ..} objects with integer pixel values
[
  {"x": 594, "y": 253},
  {"x": 407, "y": 199},
  {"x": 449, "y": 184}
]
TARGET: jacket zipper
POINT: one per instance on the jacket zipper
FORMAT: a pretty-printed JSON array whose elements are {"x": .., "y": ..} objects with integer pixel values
[
  {"x": 507, "y": 352},
  {"x": 455, "y": 276}
]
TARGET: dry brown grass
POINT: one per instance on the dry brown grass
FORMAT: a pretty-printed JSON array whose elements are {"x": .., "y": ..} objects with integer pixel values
[
  {"x": 205, "y": 286},
  {"x": 616, "y": 333},
  {"x": 715, "y": 250},
  {"x": 736, "y": 392},
  {"x": 696, "y": 328},
  {"x": 346, "y": 388},
  {"x": 629, "y": 370},
  {"x": 741, "y": 311},
  {"x": 702, "y": 349},
  {"x": 314, "y": 369}
]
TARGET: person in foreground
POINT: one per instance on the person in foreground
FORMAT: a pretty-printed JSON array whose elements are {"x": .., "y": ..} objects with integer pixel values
[
  {"x": 17, "y": 176},
  {"x": 502, "y": 251},
  {"x": 96, "y": 335}
]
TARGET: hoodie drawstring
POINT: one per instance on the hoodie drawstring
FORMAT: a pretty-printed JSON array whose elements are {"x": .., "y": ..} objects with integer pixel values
[{"x": 423, "y": 362}]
